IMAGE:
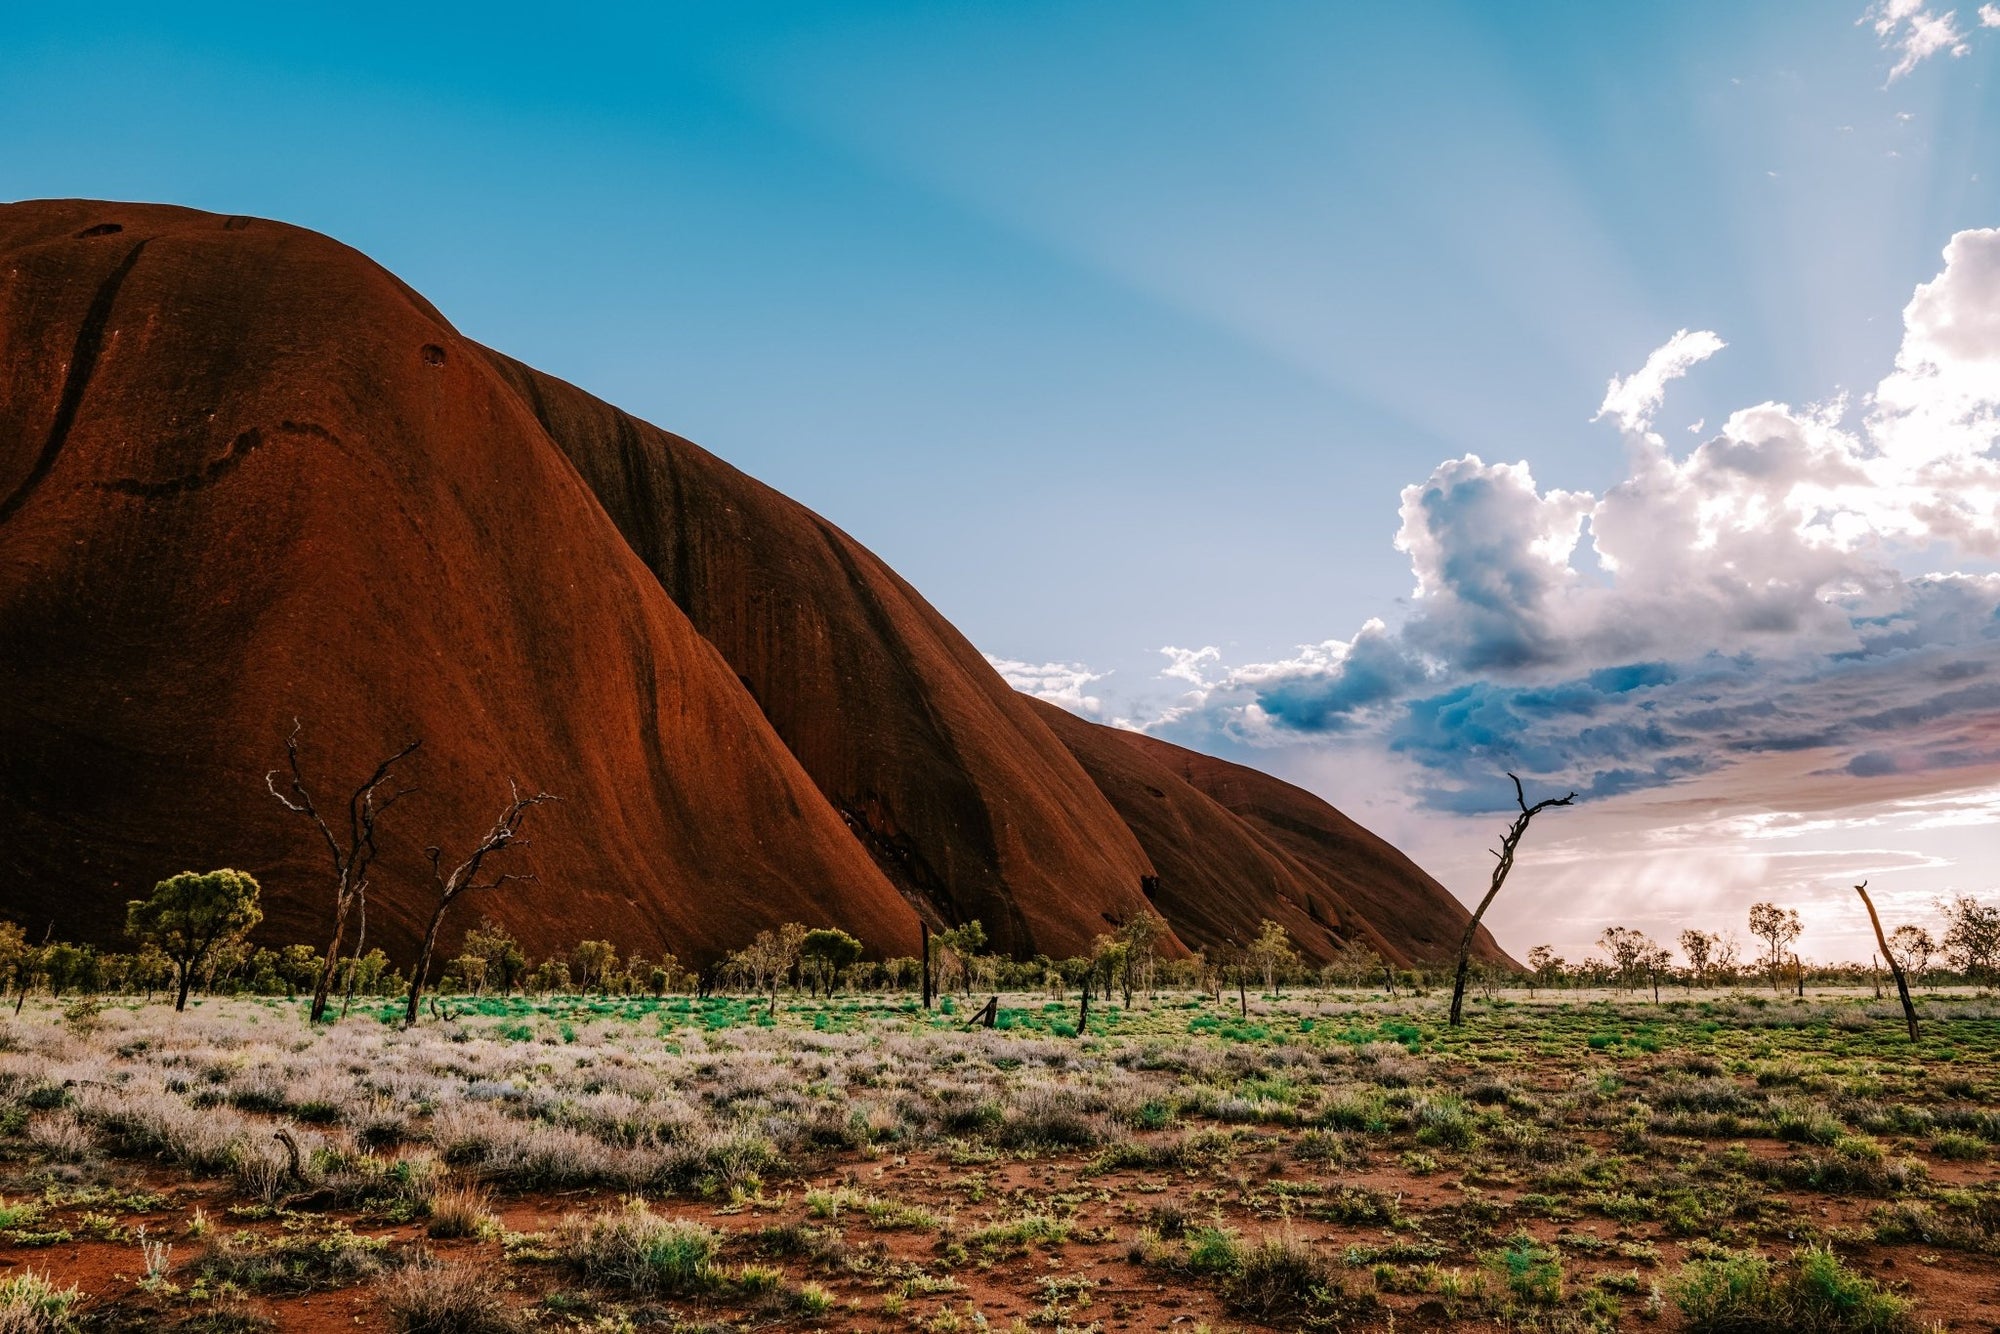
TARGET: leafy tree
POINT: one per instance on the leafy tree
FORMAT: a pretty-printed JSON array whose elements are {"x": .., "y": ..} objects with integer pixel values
[
  {"x": 1544, "y": 966},
  {"x": 825, "y": 952},
  {"x": 366, "y": 975},
  {"x": 953, "y": 952},
  {"x": 1142, "y": 936},
  {"x": 1913, "y": 948},
  {"x": 502, "y": 953},
  {"x": 1972, "y": 937},
  {"x": 466, "y": 974},
  {"x": 298, "y": 965},
  {"x": 65, "y": 965},
  {"x": 1777, "y": 928},
  {"x": 16, "y": 956},
  {"x": 591, "y": 962},
  {"x": 1272, "y": 953},
  {"x": 1629, "y": 950},
  {"x": 1699, "y": 947},
  {"x": 151, "y": 969},
  {"x": 192, "y": 914},
  {"x": 1352, "y": 965}
]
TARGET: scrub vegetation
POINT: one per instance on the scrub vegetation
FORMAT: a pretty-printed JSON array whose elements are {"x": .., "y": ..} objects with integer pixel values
[{"x": 1334, "y": 1158}]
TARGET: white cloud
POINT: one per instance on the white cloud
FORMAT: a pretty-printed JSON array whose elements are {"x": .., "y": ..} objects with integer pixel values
[
  {"x": 1989, "y": 16},
  {"x": 1916, "y": 34},
  {"x": 1057, "y": 682},
  {"x": 1747, "y": 596},
  {"x": 1190, "y": 664},
  {"x": 1632, "y": 401}
]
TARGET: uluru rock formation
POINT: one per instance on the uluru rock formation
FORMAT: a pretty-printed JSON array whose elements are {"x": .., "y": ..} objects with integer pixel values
[
  {"x": 247, "y": 476},
  {"x": 1233, "y": 846}
]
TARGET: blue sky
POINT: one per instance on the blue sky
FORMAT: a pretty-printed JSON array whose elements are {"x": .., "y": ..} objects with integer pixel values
[{"x": 1119, "y": 327}]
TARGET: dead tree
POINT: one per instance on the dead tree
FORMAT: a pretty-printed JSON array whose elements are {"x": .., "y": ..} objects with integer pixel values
[
  {"x": 1895, "y": 969},
  {"x": 464, "y": 878},
  {"x": 352, "y": 858},
  {"x": 924, "y": 930},
  {"x": 1508, "y": 843}
]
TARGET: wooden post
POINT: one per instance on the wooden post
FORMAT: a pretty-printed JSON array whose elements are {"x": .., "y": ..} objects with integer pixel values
[{"x": 1895, "y": 969}]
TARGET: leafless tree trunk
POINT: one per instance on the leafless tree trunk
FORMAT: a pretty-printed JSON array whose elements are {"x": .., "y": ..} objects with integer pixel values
[
  {"x": 360, "y": 945},
  {"x": 924, "y": 930},
  {"x": 463, "y": 878},
  {"x": 1896, "y": 969},
  {"x": 1508, "y": 843},
  {"x": 352, "y": 858}
]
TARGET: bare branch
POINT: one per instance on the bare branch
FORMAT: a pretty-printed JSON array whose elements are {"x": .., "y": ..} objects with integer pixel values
[
  {"x": 352, "y": 859},
  {"x": 464, "y": 877},
  {"x": 1510, "y": 842}
]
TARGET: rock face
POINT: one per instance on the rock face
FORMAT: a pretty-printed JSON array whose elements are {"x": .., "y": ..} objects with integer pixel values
[
  {"x": 968, "y": 802},
  {"x": 247, "y": 477},
  {"x": 1233, "y": 846}
]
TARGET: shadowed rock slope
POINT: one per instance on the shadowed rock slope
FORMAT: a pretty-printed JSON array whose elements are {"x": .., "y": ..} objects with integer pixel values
[
  {"x": 967, "y": 800},
  {"x": 1233, "y": 846},
  {"x": 247, "y": 476}
]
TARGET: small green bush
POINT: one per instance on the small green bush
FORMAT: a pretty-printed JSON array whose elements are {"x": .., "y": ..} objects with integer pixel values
[
  {"x": 1815, "y": 1293},
  {"x": 30, "y": 1304},
  {"x": 636, "y": 1249}
]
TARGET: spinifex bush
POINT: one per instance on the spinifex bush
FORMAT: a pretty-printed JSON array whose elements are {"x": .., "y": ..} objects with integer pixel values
[
  {"x": 432, "y": 1298},
  {"x": 636, "y": 1249},
  {"x": 1814, "y": 1293}
]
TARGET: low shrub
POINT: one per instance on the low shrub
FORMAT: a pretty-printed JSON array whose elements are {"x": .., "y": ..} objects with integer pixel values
[
  {"x": 636, "y": 1249},
  {"x": 432, "y": 1298},
  {"x": 1814, "y": 1293},
  {"x": 1280, "y": 1278},
  {"x": 30, "y": 1304},
  {"x": 293, "y": 1263},
  {"x": 461, "y": 1211}
]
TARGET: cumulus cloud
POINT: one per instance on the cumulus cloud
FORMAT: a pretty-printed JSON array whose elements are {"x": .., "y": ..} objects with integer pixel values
[
  {"x": 1632, "y": 401},
  {"x": 1989, "y": 16},
  {"x": 1915, "y": 33},
  {"x": 1060, "y": 683},
  {"x": 1745, "y": 597}
]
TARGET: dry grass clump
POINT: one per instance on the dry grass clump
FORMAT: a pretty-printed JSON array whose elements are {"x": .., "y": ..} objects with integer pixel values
[
  {"x": 636, "y": 1249},
  {"x": 1282, "y": 1279},
  {"x": 31, "y": 1304},
  {"x": 433, "y": 1298},
  {"x": 62, "y": 1137},
  {"x": 1048, "y": 1116},
  {"x": 458, "y": 1211},
  {"x": 295, "y": 1262},
  {"x": 1814, "y": 1294}
]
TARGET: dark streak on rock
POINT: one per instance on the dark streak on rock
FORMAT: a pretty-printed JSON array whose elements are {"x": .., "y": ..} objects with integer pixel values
[
  {"x": 239, "y": 449},
  {"x": 82, "y": 363}
]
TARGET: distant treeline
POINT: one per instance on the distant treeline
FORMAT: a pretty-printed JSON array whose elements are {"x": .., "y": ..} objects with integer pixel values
[{"x": 192, "y": 935}]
